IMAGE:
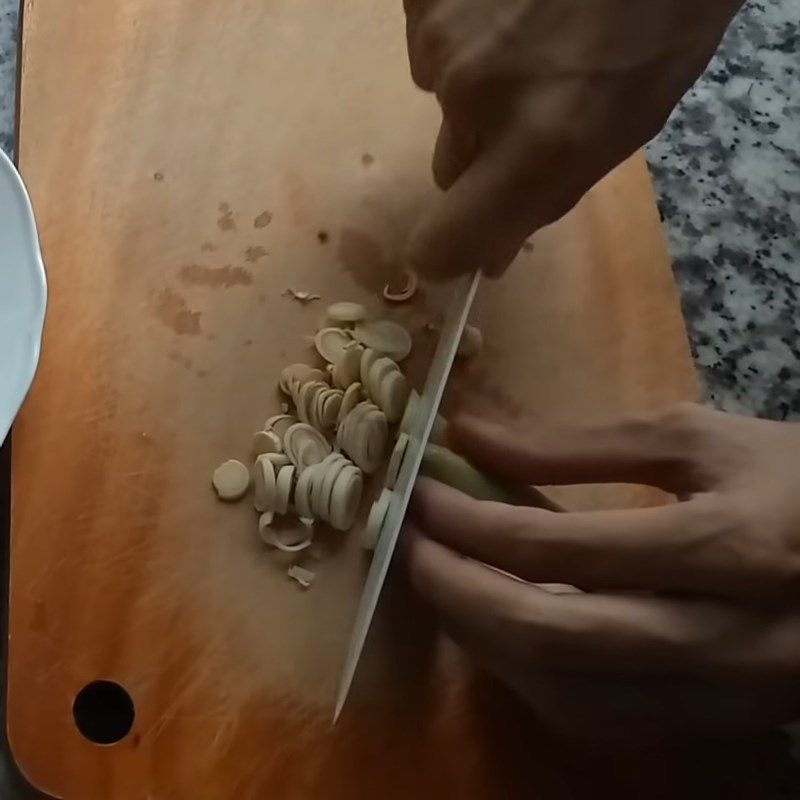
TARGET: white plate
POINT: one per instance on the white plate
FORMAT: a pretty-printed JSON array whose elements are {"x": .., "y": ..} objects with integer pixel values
[{"x": 23, "y": 294}]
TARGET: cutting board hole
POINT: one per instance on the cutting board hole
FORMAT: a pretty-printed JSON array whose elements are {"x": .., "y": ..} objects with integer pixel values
[{"x": 103, "y": 712}]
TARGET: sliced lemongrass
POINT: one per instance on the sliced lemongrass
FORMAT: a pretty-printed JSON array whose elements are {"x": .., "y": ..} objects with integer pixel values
[
  {"x": 393, "y": 395},
  {"x": 280, "y": 423},
  {"x": 380, "y": 369},
  {"x": 301, "y": 373},
  {"x": 266, "y": 442},
  {"x": 305, "y": 577},
  {"x": 314, "y": 406},
  {"x": 368, "y": 358},
  {"x": 332, "y": 402},
  {"x": 345, "y": 498},
  {"x": 264, "y": 485},
  {"x": 231, "y": 480},
  {"x": 331, "y": 343},
  {"x": 317, "y": 482},
  {"x": 327, "y": 483},
  {"x": 377, "y": 516},
  {"x": 353, "y": 395},
  {"x": 305, "y": 445},
  {"x": 277, "y": 460},
  {"x": 375, "y": 450},
  {"x": 264, "y": 521},
  {"x": 403, "y": 290},
  {"x": 306, "y": 399},
  {"x": 372, "y": 436},
  {"x": 283, "y": 489},
  {"x": 302, "y": 493},
  {"x": 345, "y": 313},
  {"x": 345, "y": 434},
  {"x": 288, "y": 541},
  {"x": 386, "y": 337},
  {"x": 396, "y": 460},
  {"x": 471, "y": 342},
  {"x": 347, "y": 368}
]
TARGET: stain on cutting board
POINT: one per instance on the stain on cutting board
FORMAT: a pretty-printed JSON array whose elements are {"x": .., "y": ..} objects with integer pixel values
[
  {"x": 171, "y": 309},
  {"x": 225, "y": 221},
  {"x": 254, "y": 253},
  {"x": 262, "y": 220},
  {"x": 216, "y": 277}
]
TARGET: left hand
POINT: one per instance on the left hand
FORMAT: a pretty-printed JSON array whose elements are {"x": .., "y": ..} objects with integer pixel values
[{"x": 689, "y": 614}]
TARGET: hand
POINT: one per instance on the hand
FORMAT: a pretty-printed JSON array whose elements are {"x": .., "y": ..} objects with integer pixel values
[
  {"x": 688, "y": 613},
  {"x": 540, "y": 99}
]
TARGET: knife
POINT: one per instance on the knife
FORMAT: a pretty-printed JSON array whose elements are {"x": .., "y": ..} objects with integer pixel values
[{"x": 418, "y": 433}]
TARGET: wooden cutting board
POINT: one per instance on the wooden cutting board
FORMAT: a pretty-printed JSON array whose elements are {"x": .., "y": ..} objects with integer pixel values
[{"x": 190, "y": 160}]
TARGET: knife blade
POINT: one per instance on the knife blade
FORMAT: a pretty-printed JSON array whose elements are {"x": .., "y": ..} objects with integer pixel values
[{"x": 419, "y": 432}]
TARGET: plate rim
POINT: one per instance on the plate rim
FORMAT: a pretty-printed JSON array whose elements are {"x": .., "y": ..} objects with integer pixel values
[{"x": 31, "y": 338}]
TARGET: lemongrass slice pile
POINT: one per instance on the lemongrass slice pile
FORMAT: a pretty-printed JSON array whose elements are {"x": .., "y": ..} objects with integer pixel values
[
  {"x": 299, "y": 373},
  {"x": 377, "y": 516},
  {"x": 387, "y": 338},
  {"x": 279, "y": 424},
  {"x": 364, "y": 435},
  {"x": 231, "y": 480},
  {"x": 266, "y": 441},
  {"x": 331, "y": 343},
  {"x": 347, "y": 367},
  {"x": 330, "y": 491},
  {"x": 387, "y": 387},
  {"x": 317, "y": 404},
  {"x": 263, "y": 485},
  {"x": 345, "y": 313},
  {"x": 352, "y": 397},
  {"x": 305, "y": 446}
]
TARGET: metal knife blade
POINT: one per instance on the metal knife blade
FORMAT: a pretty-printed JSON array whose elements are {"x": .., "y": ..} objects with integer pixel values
[{"x": 419, "y": 433}]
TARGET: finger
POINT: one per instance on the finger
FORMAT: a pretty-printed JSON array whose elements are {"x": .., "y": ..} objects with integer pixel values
[
  {"x": 658, "y": 450},
  {"x": 452, "y": 155},
  {"x": 500, "y": 619},
  {"x": 485, "y": 215},
  {"x": 478, "y": 607},
  {"x": 428, "y": 42},
  {"x": 673, "y": 548}
]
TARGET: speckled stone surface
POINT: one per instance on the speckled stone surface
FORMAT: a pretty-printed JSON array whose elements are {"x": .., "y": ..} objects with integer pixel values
[
  {"x": 9, "y": 19},
  {"x": 727, "y": 175}
]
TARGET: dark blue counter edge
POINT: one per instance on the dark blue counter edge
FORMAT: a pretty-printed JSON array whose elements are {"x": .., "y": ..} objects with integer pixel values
[{"x": 13, "y": 785}]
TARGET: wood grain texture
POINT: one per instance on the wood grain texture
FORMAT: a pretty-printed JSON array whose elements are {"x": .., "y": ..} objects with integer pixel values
[{"x": 189, "y": 161}]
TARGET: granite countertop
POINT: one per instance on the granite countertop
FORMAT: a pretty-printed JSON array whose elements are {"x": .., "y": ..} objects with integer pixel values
[{"x": 727, "y": 175}]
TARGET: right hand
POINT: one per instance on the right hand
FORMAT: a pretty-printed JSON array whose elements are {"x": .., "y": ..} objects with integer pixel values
[
  {"x": 689, "y": 615},
  {"x": 540, "y": 99}
]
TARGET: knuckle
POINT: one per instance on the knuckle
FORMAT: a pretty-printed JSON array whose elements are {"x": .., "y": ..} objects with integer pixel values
[
  {"x": 679, "y": 418},
  {"x": 761, "y": 559},
  {"x": 680, "y": 430}
]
